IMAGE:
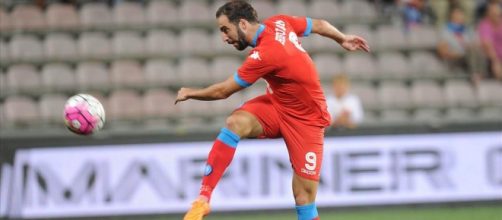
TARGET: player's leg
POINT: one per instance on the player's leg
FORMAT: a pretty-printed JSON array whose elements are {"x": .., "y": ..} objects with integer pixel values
[
  {"x": 246, "y": 122},
  {"x": 305, "y": 147},
  {"x": 240, "y": 124},
  {"x": 305, "y": 191}
]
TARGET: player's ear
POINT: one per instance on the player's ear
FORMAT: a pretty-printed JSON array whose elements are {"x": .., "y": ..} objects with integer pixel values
[{"x": 243, "y": 24}]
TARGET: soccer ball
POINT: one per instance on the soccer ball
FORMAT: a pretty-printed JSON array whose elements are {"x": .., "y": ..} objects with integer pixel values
[{"x": 84, "y": 114}]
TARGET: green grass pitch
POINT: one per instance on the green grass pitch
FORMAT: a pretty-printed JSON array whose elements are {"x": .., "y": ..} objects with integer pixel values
[{"x": 490, "y": 211}]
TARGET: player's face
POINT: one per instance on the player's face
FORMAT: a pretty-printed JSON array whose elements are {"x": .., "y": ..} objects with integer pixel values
[{"x": 232, "y": 33}]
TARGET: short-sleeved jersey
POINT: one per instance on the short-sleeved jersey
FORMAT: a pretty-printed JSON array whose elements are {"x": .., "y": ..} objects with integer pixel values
[{"x": 278, "y": 57}]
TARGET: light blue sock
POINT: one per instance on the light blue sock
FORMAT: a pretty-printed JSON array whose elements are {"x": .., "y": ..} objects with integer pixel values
[{"x": 306, "y": 212}]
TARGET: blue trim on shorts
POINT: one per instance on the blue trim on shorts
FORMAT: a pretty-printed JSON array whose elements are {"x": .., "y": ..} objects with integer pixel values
[
  {"x": 307, "y": 212},
  {"x": 228, "y": 137},
  {"x": 308, "y": 29},
  {"x": 240, "y": 81}
]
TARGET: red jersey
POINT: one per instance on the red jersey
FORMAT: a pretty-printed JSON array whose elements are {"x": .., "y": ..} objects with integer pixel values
[{"x": 278, "y": 57}]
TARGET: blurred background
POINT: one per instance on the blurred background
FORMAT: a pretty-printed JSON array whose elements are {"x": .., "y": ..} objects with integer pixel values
[{"x": 431, "y": 87}]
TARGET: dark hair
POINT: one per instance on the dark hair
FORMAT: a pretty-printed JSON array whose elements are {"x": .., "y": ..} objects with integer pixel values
[{"x": 236, "y": 10}]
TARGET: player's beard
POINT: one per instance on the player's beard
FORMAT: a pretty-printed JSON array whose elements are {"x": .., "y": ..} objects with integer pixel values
[{"x": 241, "y": 40}]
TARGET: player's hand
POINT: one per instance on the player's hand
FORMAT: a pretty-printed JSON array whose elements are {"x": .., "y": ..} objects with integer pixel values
[
  {"x": 353, "y": 43},
  {"x": 182, "y": 95}
]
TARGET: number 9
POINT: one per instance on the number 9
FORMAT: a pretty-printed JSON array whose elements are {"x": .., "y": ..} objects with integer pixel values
[{"x": 311, "y": 159}]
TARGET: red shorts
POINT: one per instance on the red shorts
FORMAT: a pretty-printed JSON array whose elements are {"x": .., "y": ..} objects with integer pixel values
[{"x": 304, "y": 142}]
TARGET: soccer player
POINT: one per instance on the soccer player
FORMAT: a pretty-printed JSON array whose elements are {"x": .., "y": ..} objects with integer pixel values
[{"x": 293, "y": 107}]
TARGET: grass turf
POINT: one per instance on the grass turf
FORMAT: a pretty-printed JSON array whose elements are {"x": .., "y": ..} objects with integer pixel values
[
  {"x": 457, "y": 212},
  {"x": 472, "y": 211}
]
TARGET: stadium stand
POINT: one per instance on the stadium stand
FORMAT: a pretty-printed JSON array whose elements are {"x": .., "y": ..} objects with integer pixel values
[
  {"x": 57, "y": 11},
  {"x": 138, "y": 54}
]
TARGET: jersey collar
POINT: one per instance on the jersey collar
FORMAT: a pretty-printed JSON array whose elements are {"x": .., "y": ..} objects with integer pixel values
[{"x": 258, "y": 33}]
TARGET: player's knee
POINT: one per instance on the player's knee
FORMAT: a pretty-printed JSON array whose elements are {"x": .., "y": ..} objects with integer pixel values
[
  {"x": 304, "y": 196},
  {"x": 302, "y": 199},
  {"x": 238, "y": 124}
]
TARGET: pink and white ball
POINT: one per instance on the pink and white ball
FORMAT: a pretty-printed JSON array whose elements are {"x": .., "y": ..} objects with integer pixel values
[{"x": 84, "y": 114}]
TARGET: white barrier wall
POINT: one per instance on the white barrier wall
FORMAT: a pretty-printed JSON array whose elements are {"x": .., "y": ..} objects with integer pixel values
[{"x": 164, "y": 178}]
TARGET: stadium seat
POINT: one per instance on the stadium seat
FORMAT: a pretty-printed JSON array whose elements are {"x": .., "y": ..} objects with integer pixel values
[
  {"x": 92, "y": 75},
  {"x": 427, "y": 116},
  {"x": 360, "y": 65},
  {"x": 62, "y": 16},
  {"x": 194, "y": 41},
  {"x": 160, "y": 12},
  {"x": 460, "y": 93},
  {"x": 95, "y": 15},
  {"x": 217, "y": 123},
  {"x": 127, "y": 73},
  {"x": 195, "y": 108},
  {"x": 27, "y": 16},
  {"x": 425, "y": 63},
  {"x": 459, "y": 115},
  {"x": 161, "y": 42},
  {"x": 221, "y": 47},
  {"x": 257, "y": 89},
  {"x": 23, "y": 77},
  {"x": 371, "y": 119},
  {"x": 94, "y": 45},
  {"x": 358, "y": 9},
  {"x": 427, "y": 94},
  {"x": 60, "y": 47},
  {"x": 127, "y": 44},
  {"x": 226, "y": 106},
  {"x": 223, "y": 67},
  {"x": 194, "y": 71},
  {"x": 130, "y": 14},
  {"x": 317, "y": 43},
  {"x": 393, "y": 64},
  {"x": 296, "y": 8},
  {"x": 367, "y": 94},
  {"x": 58, "y": 77},
  {"x": 490, "y": 93},
  {"x": 160, "y": 73},
  {"x": 125, "y": 105},
  {"x": 327, "y": 86},
  {"x": 5, "y": 20},
  {"x": 20, "y": 111},
  {"x": 324, "y": 9},
  {"x": 159, "y": 103},
  {"x": 490, "y": 114},
  {"x": 216, "y": 4},
  {"x": 26, "y": 47},
  {"x": 328, "y": 65},
  {"x": 4, "y": 52},
  {"x": 394, "y": 95},
  {"x": 390, "y": 38},
  {"x": 395, "y": 117},
  {"x": 2, "y": 116},
  {"x": 4, "y": 86},
  {"x": 264, "y": 8},
  {"x": 195, "y": 12},
  {"x": 51, "y": 108},
  {"x": 193, "y": 124},
  {"x": 423, "y": 37}
]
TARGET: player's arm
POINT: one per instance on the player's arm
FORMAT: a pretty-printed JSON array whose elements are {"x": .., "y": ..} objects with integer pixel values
[
  {"x": 349, "y": 42},
  {"x": 216, "y": 91}
]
